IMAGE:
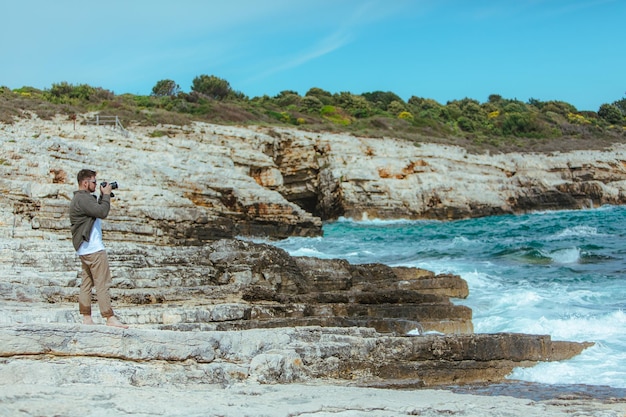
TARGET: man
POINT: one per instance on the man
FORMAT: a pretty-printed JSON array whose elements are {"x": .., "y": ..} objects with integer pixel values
[{"x": 86, "y": 214}]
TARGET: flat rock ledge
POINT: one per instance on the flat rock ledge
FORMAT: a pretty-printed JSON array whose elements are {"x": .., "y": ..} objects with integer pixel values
[
  {"x": 237, "y": 311},
  {"x": 69, "y": 353}
]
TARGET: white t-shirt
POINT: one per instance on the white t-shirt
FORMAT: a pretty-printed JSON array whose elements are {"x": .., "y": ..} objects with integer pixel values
[{"x": 95, "y": 240}]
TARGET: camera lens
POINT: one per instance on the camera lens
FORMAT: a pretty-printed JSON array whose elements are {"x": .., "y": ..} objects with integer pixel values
[{"x": 113, "y": 184}]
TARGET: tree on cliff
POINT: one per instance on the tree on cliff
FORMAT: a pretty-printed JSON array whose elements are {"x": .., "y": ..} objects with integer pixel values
[
  {"x": 611, "y": 113},
  {"x": 211, "y": 86},
  {"x": 165, "y": 88},
  {"x": 382, "y": 99},
  {"x": 621, "y": 104}
]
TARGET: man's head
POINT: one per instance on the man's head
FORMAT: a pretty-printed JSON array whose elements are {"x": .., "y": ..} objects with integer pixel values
[{"x": 87, "y": 180}]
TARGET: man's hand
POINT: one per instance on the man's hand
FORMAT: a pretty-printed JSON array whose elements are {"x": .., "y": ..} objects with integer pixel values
[{"x": 106, "y": 190}]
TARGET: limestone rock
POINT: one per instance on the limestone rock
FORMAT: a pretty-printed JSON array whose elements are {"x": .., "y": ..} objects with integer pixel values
[
  {"x": 267, "y": 356},
  {"x": 206, "y": 308},
  {"x": 235, "y": 284},
  {"x": 205, "y": 182}
]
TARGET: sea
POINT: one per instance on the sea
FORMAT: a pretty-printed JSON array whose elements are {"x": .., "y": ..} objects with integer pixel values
[{"x": 561, "y": 273}]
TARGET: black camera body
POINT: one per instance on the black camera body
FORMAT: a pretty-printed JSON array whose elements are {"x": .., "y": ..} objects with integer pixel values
[{"x": 113, "y": 185}]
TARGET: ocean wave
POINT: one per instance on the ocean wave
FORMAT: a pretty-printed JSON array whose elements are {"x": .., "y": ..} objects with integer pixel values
[
  {"x": 606, "y": 357},
  {"x": 311, "y": 252},
  {"x": 607, "y": 370},
  {"x": 576, "y": 231},
  {"x": 565, "y": 256},
  {"x": 604, "y": 328},
  {"x": 524, "y": 254}
]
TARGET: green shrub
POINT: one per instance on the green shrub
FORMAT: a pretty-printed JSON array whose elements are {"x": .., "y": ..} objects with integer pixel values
[
  {"x": 65, "y": 93},
  {"x": 559, "y": 107},
  {"x": 424, "y": 103},
  {"x": 332, "y": 114},
  {"x": 165, "y": 88},
  {"x": 473, "y": 111},
  {"x": 450, "y": 112},
  {"x": 382, "y": 100},
  {"x": 287, "y": 98},
  {"x": 396, "y": 107},
  {"x": 621, "y": 104},
  {"x": 515, "y": 108},
  {"x": 328, "y": 110},
  {"x": 524, "y": 125},
  {"x": 211, "y": 86},
  {"x": 536, "y": 103},
  {"x": 611, "y": 114},
  {"x": 466, "y": 124},
  {"x": 311, "y": 104},
  {"x": 495, "y": 99},
  {"x": 355, "y": 105},
  {"x": 325, "y": 97},
  {"x": 143, "y": 101}
]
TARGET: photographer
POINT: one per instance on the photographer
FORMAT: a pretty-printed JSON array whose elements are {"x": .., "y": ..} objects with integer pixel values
[{"x": 86, "y": 214}]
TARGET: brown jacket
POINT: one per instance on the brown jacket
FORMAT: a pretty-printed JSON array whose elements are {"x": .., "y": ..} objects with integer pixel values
[{"x": 84, "y": 210}]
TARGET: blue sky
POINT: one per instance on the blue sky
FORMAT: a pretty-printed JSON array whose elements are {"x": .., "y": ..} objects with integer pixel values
[{"x": 569, "y": 50}]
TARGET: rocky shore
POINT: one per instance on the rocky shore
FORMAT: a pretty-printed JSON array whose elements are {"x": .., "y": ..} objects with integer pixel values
[{"x": 221, "y": 325}]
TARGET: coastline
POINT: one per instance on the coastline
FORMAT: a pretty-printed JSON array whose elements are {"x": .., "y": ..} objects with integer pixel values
[{"x": 318, "y": 398}]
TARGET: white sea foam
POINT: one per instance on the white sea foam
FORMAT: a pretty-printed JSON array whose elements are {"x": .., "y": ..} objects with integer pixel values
[
  {"x": 374, "y": 222},
  {"x": 584, "y": 328},
  {"x": 461, "y": 241},
  {"x": 312, "y": 252},
  {"x": 565, "y": 256},
  {"x": 597, "y": 365},
  {"x": 576, "y": 231}
]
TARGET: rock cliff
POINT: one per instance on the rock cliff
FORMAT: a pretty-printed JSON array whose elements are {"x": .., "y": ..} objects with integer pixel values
[
  {"x": 188, "y": 185},
  {"x": 181, "y": 280}
]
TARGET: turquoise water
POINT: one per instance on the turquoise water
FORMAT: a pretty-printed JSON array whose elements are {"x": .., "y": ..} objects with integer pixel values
[{"x": 560, "y": 273}]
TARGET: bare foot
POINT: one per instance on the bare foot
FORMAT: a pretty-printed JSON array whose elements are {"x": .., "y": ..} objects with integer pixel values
[
  {"x": 114, "y": 322},
  {"x": 88, "y": 320}
]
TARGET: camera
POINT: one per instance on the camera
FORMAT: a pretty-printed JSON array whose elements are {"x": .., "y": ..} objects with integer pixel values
[{"x": 113, "y": 185}]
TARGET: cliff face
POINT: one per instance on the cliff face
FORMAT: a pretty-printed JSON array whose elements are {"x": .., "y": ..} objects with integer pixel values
[
  {"x": 206, "y": 182},
  {"x": 180, "y": 279},
  {"x": 374, "y": 178}
]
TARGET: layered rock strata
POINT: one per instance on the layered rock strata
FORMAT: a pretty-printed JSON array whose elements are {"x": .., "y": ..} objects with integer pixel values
[
  {"x": 192, "y": 184},
  {"x": 181, "y": 281},
  {"x": 234, "y": 284},
  {"x": 235, "y": 310},
  {"x": 61, "y": 353}
]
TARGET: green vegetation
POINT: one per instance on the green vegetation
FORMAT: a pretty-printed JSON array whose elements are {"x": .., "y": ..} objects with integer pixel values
[
  {"x": 497, "y": 125},
  {"x": 166, "y": 88}
]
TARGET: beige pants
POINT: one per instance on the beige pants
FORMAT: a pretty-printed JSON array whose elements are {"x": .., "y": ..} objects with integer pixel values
[{"x": 96, "y": 273}]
